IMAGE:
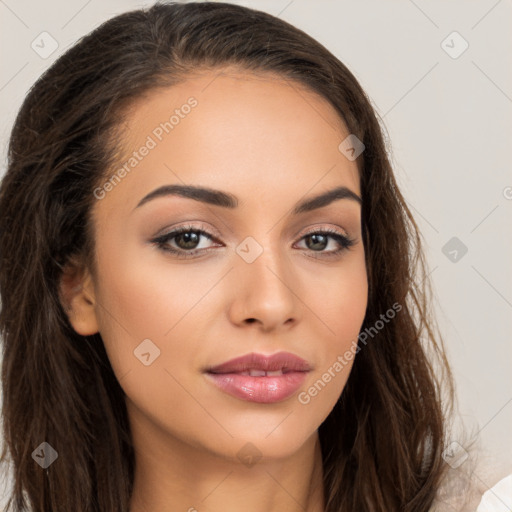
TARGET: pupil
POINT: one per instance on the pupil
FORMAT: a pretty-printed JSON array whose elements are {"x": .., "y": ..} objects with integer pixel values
[
  {"x": 190, "y": 237},
  {"x": 315, "y": 239}
]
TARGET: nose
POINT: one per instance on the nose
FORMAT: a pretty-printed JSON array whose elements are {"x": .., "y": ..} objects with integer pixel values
[{"x": 265, "y": 292}]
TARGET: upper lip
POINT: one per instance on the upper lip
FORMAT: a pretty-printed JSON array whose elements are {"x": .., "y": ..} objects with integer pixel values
[{"x": 284, "y": 361}]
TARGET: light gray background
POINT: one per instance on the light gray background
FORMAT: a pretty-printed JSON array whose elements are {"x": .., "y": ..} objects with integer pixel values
[{"x": 448, "y": 120}]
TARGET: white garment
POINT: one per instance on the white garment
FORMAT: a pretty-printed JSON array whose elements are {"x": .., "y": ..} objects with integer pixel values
[
  {"x": 498, "y": 498},
  {"x": 480, "y": 484}
]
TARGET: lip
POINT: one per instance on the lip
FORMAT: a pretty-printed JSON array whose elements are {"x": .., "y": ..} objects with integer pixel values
[{"x": 233, "y": 377}]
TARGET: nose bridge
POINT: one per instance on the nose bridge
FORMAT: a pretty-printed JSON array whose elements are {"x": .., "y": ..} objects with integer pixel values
[
  {"x": 264, "y": 280},
  {"x": 263, "y": 260}
]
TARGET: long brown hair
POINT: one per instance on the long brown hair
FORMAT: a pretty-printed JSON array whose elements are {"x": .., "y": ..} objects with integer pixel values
[{"x": 381, "y": 444}]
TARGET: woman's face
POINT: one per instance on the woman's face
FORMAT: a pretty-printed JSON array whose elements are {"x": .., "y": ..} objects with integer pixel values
[{"x": 258, "y": 285}]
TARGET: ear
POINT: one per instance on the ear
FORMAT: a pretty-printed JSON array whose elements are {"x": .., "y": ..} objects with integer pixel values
[{"x": 77, "y": 296}]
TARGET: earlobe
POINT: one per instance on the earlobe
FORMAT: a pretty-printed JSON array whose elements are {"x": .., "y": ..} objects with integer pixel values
[{"x": 77, "y": 297}]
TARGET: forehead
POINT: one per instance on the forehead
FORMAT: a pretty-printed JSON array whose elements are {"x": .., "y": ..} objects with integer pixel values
[{"x": 227, "y": 129}]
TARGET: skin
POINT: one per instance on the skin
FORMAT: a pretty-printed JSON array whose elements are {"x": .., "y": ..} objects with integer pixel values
[{"x": 271, "y": 143}]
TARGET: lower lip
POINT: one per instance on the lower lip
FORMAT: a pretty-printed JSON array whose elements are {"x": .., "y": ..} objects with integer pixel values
[{"x": 265, "y": 390}]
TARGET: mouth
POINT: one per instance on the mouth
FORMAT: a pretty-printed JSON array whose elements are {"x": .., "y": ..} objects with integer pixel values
[
  {"x": 260, "y": 373},
  {"x": 258, "y": 378},
  {"x": 283, "y": 362}
]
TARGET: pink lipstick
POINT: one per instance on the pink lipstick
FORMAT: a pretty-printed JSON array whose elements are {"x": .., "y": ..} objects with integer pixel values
[{"x": 258, "y": 378}]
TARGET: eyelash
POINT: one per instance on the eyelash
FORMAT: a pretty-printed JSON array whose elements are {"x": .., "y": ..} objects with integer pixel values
[{"x": 162, "y": 242}]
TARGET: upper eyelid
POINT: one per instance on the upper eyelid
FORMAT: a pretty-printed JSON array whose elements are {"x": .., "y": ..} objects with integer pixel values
[{"x": 187, "y": 227}]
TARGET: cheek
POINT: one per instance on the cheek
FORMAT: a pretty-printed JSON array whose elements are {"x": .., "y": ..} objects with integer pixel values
[
  {"x": 339, "y": 298},
  {"x": 146, "y": 320},
  {"x": 138, "y": 288},
  {"x": 151, "y": 298},
  {"x": 340, "y": 302}
]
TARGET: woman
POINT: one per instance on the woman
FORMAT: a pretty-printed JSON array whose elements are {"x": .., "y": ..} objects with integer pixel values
[{"x": 289, "y": 362}]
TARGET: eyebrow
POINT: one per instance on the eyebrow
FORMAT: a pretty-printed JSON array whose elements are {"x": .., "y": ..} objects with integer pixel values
[{"x": 227, "y": 200}]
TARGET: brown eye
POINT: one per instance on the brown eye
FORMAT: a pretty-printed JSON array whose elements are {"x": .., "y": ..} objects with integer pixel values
[
  {"x": 184, "y": 241},
  {"x": 187, "y": 239},
  {"x": 318, "y": 241}
]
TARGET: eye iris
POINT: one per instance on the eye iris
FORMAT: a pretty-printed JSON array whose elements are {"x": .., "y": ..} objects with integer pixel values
[
  {"x": 317, "y": 239},
  {"x": 189, "y": 237}
]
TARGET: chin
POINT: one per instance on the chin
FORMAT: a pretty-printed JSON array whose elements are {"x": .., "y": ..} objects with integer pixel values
[{"x": 261, "y": 443}]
